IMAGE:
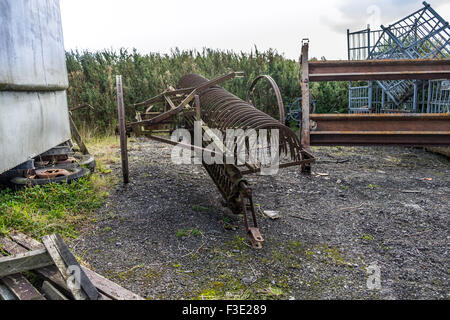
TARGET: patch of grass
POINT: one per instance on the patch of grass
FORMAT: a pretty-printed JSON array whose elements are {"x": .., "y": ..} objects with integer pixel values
[
  {"x": 367, "y": 237},
  {"x": 181, "y": 233},
  {"x": 227, "y": 223},
  {"x": 64, "y": 207},
  {"x": 238, "y": 243},
  {"x": 186, "y": 233},
  {"x": 231, "y": 287},
  {"x": 124, "y": 275},
  {"x": 199, "y": 208},
  {"x": 372, "y": 186},
  {"x": 50, "y": 208}
]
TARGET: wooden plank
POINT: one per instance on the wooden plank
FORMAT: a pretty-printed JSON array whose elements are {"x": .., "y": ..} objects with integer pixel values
[
  {"x": 70, "y": 260},
  {"x": 26, "y": 241},
  {"x": 6, "y": 294},
  {"x": 22, "y": 288},
  {"x": 10, "y": 246},
  {"x": 51, "y": 273},
  {"x": 24, "y": 261},
  {"x": 51, "y": 292},
  {"x": 17, "y": 283},
  {"x": 77, "y": 136},
  {"x": 51, "y": 247},
  {"x": 110, "y": 288}
]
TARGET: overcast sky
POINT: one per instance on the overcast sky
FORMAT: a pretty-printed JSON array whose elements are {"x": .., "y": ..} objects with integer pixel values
[{"x": 239, "y": 25}]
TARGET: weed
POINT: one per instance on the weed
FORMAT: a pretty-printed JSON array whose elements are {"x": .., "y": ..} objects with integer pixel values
[{"x": 199, "y": 208}]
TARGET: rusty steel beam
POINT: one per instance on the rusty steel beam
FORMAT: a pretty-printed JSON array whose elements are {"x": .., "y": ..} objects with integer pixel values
[
  {"x": 304, "y": 133},
  {"x": 122, "y": 130},
  {"x": 380, "y": 129},
  {"x": 343, "y": 70}
]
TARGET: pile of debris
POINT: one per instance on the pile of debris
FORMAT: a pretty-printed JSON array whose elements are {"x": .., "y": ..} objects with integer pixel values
[{"x": 54, "y": 268}]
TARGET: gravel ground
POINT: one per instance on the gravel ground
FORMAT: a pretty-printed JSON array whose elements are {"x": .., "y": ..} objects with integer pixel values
[{"x": 166, "y": 235}]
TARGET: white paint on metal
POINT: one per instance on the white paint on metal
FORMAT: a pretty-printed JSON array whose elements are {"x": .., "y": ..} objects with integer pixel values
[
  {"x": 30, "y": 124},
  {"x": 32, "y": 53},
  {"x": 33, "y": 77}
]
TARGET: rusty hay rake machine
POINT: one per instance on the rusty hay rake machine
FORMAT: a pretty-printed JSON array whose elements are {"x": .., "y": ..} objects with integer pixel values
[{"x": 200, "y": 102}]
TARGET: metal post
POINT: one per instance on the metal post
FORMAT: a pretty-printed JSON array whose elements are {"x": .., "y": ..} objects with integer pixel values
[
  {"x": 122, "y": 129},
  {"x": 416, "y": 96},
  {"x": 197, "y": 107},
  {"x": 304, "y": 138},
  {"x": 348, "y": 44},
  {"x": 76, "y": 135}
]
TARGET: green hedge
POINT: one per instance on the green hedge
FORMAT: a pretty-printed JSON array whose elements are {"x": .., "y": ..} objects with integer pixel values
[{"x": 92, "y": 79}]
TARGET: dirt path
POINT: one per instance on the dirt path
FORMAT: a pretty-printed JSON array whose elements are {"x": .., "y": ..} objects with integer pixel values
[{"x": 166, "y": 236}]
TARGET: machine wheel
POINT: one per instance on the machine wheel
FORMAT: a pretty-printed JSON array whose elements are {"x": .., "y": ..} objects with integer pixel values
[{"x": 76, "y": 173}]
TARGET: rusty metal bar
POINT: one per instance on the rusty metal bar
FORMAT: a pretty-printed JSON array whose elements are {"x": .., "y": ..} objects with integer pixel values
[
  {"x": 380, "y": 129},
  {"x": 275, "y": 89},
  {"x": 187, "y": 100},
  {"x": 77, "y": 136},
  {"x": 305, "y": 139},
  {"x": 381, "y": 122},
  {"x": 281, "y": 165},
  {"x": 162, "y": 96},
  {"x": 409, "y": 138},
  {"x": 122, "y": 130},
  {"x": 373, "y": 129},
  {"x": 424, "y": 69}
]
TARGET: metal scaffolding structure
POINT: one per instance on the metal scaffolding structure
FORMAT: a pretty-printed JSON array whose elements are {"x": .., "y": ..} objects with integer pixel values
[{"x": 423, "y": 34}]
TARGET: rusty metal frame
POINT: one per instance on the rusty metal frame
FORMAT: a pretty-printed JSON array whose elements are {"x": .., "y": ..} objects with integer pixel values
[
  {"x": 276, "y": 90},
  {"x": 227, "y": 111},
  {"x": 372, "y": 129},
  {"x": 356, "y": 70}
]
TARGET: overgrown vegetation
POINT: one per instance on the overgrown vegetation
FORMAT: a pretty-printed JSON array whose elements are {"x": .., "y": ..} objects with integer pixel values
[
  {"x": 50, "y": 208},
  {"x": 92, "y": 79},
  {"x": 62, "y": 208}
]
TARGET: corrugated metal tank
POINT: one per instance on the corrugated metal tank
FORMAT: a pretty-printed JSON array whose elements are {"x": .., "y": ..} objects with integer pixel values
[{"x": 33, "y": 78}]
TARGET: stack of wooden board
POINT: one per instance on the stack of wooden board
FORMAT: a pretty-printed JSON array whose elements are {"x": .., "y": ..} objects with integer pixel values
[{"x": 54, "y": 268}]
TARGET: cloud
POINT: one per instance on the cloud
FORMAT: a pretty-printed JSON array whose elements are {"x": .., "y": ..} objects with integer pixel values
[{"x": 355, "y": 15}]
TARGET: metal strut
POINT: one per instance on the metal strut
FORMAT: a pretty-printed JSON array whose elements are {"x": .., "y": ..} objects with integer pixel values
[{"x": 245, "y": 197}]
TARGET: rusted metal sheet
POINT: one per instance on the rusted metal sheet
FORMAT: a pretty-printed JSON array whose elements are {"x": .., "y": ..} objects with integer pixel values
[
  {"x": 424, "y": 69},
  {"x": 380, "y": 129}
]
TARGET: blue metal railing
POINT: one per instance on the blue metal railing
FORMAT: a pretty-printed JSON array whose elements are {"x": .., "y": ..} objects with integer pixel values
[{"x": 422, "y": 34}]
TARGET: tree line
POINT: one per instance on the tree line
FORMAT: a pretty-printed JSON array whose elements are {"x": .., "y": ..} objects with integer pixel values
[{"x": 92, "y": 79}]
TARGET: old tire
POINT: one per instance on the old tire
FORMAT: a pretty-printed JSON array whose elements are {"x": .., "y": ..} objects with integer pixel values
[{"x": 77, "y": 173}]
